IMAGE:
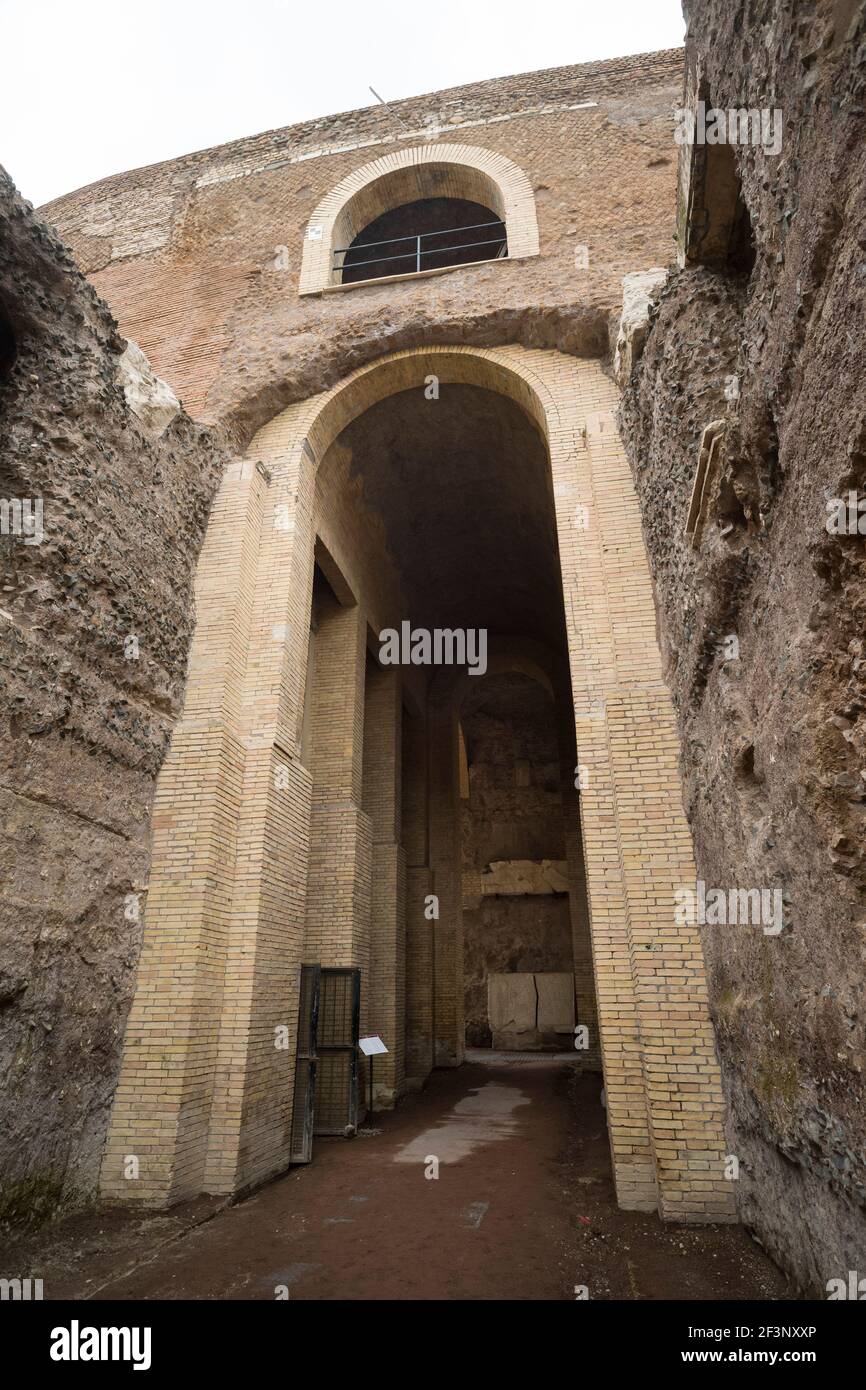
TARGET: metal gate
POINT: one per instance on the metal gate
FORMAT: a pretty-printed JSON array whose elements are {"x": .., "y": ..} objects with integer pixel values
[
  {"x": 303, "y": 1104},
  {"x": 336, "y": 1102}
]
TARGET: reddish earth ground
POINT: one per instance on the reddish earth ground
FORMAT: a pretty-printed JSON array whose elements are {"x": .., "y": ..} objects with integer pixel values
[{"x": 523, "y": 1208}]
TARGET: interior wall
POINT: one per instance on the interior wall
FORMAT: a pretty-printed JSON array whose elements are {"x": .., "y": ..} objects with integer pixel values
[{"x": 511, "y": 816}]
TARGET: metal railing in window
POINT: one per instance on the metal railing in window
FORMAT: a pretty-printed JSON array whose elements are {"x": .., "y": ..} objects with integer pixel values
[{"x": 419, "y": 250}]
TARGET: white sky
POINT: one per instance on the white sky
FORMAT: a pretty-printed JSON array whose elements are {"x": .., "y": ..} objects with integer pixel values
[{"x": 93, "y": 87}]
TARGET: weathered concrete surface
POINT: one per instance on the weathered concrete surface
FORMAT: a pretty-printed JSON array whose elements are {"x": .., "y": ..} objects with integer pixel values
[
  {"x": 774, "y": 742},
  {"x": 147, "y": 396},
  {"x": 638, "y": 291},
  {"x": 95, "y": 625},
  {"x": 531, "y": 1011},
  {"x": 514, "y": 878}
]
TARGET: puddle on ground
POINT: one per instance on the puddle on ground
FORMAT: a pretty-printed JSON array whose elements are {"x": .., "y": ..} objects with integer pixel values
[
  {"x": 483, "y": 1117},
  {"x": 474, "y": 1215}
]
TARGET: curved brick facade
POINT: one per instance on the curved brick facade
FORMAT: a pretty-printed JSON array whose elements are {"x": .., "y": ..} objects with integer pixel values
[{"x": 201, "y": 258}]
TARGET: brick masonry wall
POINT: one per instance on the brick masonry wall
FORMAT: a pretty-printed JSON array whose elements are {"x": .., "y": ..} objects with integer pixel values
[
  {"x": 202, "y": 259},
  {"x": 664, "y": 1097},
  {"x": 187, "y": 252}
]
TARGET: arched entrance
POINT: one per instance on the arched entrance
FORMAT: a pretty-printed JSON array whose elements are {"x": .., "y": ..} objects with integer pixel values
[{"x": 299, "y": 812}]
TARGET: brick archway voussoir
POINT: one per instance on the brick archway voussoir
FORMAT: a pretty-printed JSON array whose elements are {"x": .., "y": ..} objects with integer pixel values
[{"x": 468, "y": 171}]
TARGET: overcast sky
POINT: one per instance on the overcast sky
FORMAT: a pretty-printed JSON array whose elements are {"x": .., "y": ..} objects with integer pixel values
[{"x": 93, "y": 87}]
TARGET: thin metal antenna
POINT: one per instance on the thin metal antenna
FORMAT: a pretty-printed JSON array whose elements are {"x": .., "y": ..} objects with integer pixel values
[{"x": 389, "y": 107}]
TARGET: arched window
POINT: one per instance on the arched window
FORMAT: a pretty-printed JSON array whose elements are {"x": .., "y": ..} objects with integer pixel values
[
  {"x": 420, "y": 210},
  {"x": 428, "y": 234}
]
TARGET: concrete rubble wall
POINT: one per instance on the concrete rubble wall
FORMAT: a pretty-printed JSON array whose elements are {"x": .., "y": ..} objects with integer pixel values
[
  {"x": 96, "y": 617},
  {"x": 773, "y": 723}
]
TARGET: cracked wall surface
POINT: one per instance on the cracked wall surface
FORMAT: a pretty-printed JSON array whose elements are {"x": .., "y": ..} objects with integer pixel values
[
  {"x": 773, "y": 732},
  {"x": 84, "y": 723}
]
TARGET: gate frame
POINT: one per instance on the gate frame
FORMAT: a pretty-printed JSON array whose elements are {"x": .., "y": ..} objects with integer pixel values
[
  {"x": 351, "y": 1126},
  {"x": 304, "y": 1152}
]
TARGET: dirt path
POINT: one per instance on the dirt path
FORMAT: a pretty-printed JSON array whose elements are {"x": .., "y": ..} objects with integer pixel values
[{"x": 522, "y": 1208}]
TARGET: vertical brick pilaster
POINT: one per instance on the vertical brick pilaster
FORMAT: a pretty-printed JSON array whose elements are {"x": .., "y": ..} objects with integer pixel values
[
  {"x": 249, "y": 1134},
  {"x": 338, "y": 901},
  {"x": 420, "y": 929},
  {"x": 449, "y": 1044},
  {"x": 581, "y": 941},
  {"x": 586, "y": 1010},
  {"x": 680, "y": 1069},
  {"x": 661, "y": 1074},
  {"x": 382, "y": 802},
  {"x": 162, "y": 1106}
]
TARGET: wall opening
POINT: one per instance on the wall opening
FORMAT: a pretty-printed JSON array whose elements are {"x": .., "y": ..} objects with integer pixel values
[
  {"x": 428, "y": 234},
  {"x": 715, "y": 225},
  {"x": 8, "y": 343},
  {"x": 482, "y": 811},
  {"x": 512, "y": 472},
  {"x": 421, "y": 190},
  {"x": 517, "y": 930}
]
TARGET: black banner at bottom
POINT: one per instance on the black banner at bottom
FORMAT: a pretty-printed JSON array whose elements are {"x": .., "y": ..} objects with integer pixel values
[{"x": 155, "y": 1338}]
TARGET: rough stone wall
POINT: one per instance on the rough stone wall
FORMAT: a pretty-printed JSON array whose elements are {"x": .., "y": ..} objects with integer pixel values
[
  {"x": 84, "y": 725},
  {"x": 199, "y": 257},
  {"x": 513, "y": 812},
  {"x": 507, "y": 935},
  {"x": 774, "y": 742}
]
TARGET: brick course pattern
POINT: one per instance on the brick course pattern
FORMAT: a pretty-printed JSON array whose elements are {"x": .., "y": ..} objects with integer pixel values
[
  {"x": 202, "y": 258},
  {"x": 286, "y": 826},
  {"x": 223, "y": 962},
  {"x": 424, "y": 171}
]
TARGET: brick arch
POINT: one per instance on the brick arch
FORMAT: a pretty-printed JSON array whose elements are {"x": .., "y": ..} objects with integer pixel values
[
  {"x": 507, "y": 371},
  {"x": 208, "y": 1107},
  {"x": 520, "y": 656},
  {"x": 425, "y": 171}
]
